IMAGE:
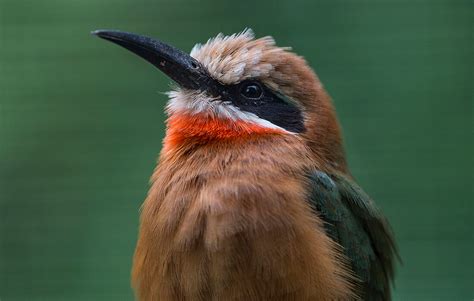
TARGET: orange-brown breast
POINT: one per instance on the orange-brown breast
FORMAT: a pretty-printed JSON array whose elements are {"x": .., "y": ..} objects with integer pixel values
[{"x": 227, "y": 220}]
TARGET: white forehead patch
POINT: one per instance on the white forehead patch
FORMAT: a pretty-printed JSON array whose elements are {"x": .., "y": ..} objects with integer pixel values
[
  {"x": 195, "y": 102},
  {"x": 231, "y": 59}
]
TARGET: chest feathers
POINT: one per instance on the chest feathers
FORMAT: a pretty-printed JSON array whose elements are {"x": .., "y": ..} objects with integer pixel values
[{"x": 229, "y": 220}]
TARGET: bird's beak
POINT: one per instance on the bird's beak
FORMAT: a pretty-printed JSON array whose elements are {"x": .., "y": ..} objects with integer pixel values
[{"x": 178, "y": 65}]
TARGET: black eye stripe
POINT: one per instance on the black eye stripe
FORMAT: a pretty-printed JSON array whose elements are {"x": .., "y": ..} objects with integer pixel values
[{"x": 254, "y": 97}]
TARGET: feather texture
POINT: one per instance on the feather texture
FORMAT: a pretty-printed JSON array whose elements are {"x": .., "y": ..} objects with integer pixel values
[
  {"x": 236, "y": 226},
  {"x": 356, "y": 224},
  {"x": 229, "y": 213}
]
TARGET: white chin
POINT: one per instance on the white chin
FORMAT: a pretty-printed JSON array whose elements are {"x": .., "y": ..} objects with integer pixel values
[{"x": 194, "y": 103}]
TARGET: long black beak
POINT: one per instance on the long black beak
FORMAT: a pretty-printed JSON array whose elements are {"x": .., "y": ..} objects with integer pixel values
[{"x": 178, "y": 65}]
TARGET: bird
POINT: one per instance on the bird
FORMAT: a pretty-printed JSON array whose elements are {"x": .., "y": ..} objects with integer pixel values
[{"x": 252, "y": 197}]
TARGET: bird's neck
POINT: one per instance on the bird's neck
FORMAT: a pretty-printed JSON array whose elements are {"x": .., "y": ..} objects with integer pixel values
[
  {"x": 199, "y": 129},
  {"x": 230, "y": 221}
]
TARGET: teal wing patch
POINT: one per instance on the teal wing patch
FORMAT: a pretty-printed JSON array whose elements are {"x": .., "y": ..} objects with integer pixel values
[{"x": 352, "y": 220}]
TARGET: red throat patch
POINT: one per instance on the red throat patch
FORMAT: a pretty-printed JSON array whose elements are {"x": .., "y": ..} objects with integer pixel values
[{"x": 199, "y": 128}]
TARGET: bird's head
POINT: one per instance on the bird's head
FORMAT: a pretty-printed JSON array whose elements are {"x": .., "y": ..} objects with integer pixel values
[{"x": 239, "y": 86}]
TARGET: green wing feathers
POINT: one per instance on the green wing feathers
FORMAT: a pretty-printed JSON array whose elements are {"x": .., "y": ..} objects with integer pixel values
[{"x": 352, "y": 220}]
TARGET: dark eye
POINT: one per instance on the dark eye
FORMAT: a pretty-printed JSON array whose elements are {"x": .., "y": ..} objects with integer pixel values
[{"x": 251, "y": 90}]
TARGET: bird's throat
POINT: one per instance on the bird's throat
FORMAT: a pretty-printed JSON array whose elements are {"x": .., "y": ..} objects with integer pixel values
[{"x": 199, "y": 128}]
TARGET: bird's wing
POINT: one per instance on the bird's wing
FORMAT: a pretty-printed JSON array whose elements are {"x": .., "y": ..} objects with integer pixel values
[{"x": 352, "y": 220}]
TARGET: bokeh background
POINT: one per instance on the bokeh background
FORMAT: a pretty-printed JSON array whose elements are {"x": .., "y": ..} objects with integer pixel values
[{"x": 81, "y": 124}]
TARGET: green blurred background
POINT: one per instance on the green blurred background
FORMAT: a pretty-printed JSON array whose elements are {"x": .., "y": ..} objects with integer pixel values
[{"x": 81, "y": 124}]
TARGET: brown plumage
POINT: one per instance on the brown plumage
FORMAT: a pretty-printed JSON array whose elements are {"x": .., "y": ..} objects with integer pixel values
[
  {"x": 229, "y": 221},
  {"x": 242, "y": 197}
]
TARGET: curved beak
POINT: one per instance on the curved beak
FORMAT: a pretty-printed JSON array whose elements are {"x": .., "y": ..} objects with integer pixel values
[{"x": 187, "y": 72}]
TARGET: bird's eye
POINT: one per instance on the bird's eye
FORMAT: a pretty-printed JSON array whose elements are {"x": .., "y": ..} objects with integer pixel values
[{"x": 251, "y": 90}]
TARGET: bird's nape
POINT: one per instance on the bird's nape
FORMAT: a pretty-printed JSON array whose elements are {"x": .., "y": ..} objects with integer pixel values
[{"x": 252, "y": 197}]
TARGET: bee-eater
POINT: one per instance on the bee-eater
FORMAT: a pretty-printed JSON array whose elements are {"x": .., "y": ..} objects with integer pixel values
[{"x": 252, "y": 198}]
